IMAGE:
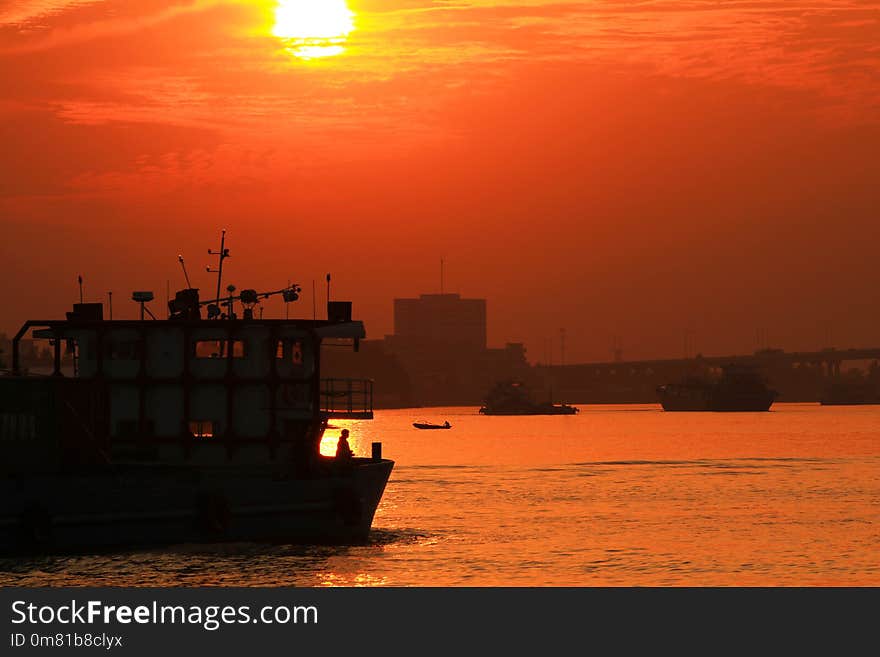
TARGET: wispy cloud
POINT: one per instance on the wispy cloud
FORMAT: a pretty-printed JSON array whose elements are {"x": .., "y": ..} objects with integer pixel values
[
  {"x": 86, "y": 31},
  {"x": 409, "y": 60},
  {"x": 21, "y": 13}
]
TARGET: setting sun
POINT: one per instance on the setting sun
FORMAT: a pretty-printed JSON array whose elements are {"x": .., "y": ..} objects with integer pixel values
[{"x": 315, "y": 28}]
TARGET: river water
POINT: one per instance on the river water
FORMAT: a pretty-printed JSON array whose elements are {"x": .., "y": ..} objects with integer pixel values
[{"x": 616, "y": 495}]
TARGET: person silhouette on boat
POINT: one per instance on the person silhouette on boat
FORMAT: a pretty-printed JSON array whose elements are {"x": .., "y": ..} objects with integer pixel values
[
  {"x": 343, "y": 449},
  {"x": 446, "y": 424}
]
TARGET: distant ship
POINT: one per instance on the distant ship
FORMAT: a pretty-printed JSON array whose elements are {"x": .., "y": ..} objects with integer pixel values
[
  {"x": 738, "y": 389},
  {"x": 851, "y": 393},
  {"x": 512, "y": 398}
]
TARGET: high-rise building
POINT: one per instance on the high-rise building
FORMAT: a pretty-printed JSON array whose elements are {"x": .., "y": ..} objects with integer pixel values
[
  {"x": 438, "y": 354},
  {"x": 445, "y": 319}
]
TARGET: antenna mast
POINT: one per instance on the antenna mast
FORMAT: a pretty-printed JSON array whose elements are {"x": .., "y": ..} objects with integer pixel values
[
  {"x": 222, "y": 254},
  {"x": 183, "y": 266},
  {"x": 80, "y": 281}
]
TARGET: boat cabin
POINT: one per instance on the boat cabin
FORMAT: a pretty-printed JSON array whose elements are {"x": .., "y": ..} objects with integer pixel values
[{"x": 186, "y": 389}]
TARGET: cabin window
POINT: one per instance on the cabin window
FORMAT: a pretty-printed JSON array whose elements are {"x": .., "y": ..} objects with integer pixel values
[
  {"x": 124, "y": 349},
  {"x": 201, "y": 428},
  {"x": 217, "y": 348},
  {"x": 209, "y": 349},
  {"x": 18, "y": 426},
  {"x": 290, "y": 351}
]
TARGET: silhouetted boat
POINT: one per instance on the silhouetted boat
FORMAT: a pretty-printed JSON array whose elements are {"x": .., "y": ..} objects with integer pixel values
[
  {"x": 431, "y": 425},
  {"x": 183, "y": 430},
  {"x": 738, "y": 389},
  {"x": 851, "y": 393},
  {"x": 512, "y": 398}
]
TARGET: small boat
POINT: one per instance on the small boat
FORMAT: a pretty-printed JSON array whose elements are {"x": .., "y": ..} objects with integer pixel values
[{"x": 431, "y": 425}]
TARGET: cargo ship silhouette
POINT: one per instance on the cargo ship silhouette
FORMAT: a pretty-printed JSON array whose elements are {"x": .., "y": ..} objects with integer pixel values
[
  {"x": 187, "y": 429},
  {"x": 513, "y": 398},
  {"x": 739, "y": 388}
]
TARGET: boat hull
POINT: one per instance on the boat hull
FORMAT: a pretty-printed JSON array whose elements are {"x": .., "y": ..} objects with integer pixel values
[
  {"x": 699, "y": 399},
  {"x": 858, "y": 394},
  {"x": 568, "y": 410},
  {"x": 162, "y": 506}
]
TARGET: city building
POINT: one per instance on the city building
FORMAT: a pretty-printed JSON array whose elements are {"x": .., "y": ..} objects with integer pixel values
[{"x": 437, "y": 355}]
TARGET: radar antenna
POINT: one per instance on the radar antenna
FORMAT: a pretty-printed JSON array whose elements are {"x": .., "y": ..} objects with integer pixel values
[{"x": 143, "y": 297}]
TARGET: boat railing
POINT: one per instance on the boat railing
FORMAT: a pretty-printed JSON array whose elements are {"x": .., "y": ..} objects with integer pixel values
[{"x": 347, "y": 398}]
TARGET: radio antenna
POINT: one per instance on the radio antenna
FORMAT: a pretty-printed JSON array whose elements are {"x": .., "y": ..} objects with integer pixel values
[
  {"x": 185, "y": 275},
  {"x": 80, "y": 281},
  {"x": 222, "y": 254}
]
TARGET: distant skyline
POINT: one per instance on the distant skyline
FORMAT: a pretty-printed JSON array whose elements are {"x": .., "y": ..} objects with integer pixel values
[{"x": 630, "y": 172}]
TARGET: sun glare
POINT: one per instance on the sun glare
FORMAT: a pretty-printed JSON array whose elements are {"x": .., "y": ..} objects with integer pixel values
[{"x": 313, "y": 28}]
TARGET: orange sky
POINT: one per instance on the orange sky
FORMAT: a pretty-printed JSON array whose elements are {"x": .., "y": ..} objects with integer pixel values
[{"x": 638, "y": 169}]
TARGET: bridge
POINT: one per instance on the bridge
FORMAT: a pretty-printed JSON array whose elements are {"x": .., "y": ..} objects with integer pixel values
[{"x": 797, "y": 375}]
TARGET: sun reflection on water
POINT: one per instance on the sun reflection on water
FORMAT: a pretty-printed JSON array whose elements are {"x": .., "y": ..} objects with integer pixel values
[
  {"x": 351, "y": 580},
  {"x": 313, "y": 28}
]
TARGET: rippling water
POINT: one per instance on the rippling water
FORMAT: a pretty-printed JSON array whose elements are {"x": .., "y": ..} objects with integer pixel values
[{"x": 617, "y": 495}]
